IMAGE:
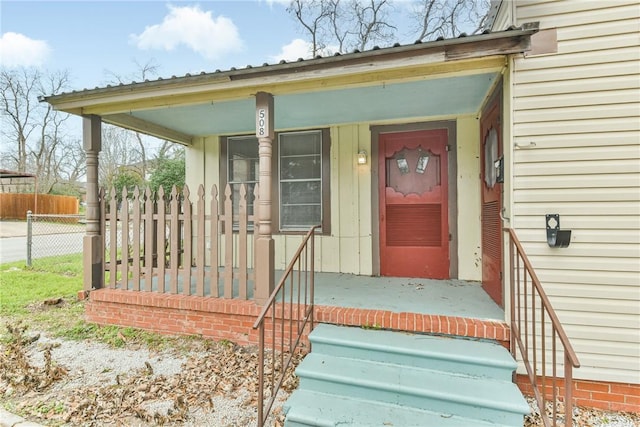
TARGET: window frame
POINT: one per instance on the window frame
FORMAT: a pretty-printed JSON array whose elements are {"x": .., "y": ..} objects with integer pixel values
[
  {"x": 280, "y": 181},
  {"x": 224, "y": 180},
  {"x": 325, "y": 151}
]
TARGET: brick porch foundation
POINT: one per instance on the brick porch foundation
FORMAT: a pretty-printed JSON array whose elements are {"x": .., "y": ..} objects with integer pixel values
[
  {"x": 593, "y": 394},
  {"x": 232, "y": 319}
]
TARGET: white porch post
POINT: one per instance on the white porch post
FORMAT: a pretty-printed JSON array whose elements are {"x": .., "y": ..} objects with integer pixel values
[
  {"x": 92, "y": 242},
  {"x": 264, "y": 252}
]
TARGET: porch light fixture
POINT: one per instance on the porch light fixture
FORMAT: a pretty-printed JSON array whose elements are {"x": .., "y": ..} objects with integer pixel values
[{"x": 362, "y": 157}]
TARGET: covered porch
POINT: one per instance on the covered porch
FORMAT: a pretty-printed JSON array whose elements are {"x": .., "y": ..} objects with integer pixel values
[
  {"x": 168, "y": 281},
  {"x": 218, "y": 251}
]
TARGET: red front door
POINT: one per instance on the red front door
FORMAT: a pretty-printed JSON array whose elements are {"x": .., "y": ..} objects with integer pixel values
[
  {"x": 491, "y": 152},
  {"x": 413, "y": 188}
]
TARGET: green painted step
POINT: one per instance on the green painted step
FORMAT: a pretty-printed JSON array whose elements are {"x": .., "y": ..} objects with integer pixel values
[
  {"x": 465, "y": 356},
  {"x": 478, "y": 398},
  {"x": 308, "y": 408}
]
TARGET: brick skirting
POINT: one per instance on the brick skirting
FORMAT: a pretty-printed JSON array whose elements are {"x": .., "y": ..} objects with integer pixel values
[
  {"x": 609, "y": 396},
  {"x": 414, "y": 322},
  {"x": 215, "y": 318},
  {"x": 232, "y": 319}
]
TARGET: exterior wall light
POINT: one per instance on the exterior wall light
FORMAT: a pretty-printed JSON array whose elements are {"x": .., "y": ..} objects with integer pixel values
[{"x": 362, "y": 157}]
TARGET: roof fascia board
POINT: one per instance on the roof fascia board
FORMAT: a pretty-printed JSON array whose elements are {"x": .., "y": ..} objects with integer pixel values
[{"x": 505, "y": 42}]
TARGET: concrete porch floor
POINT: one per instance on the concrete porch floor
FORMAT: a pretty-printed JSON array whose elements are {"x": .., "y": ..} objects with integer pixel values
[
  {"x": 450, "y": 298},
  {"x": 454, "y": 298}
]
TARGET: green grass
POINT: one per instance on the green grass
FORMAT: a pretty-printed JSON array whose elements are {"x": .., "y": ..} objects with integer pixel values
[
  {"x": 53, "y": 277},
  {"x": 24, "y": 289}
]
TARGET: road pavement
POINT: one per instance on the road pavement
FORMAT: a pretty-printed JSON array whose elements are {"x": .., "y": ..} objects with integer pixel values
[
  {"x": 13, "y": 228},
  {"x": 13, "y": 241}
]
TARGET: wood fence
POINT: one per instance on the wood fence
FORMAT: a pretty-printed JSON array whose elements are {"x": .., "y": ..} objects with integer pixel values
[
  {"x": 16, "y": 205},
  {"x": 167, "y": 243}
]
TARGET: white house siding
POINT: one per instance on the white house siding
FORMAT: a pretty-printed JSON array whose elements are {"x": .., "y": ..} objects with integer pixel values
[
  {"x": 469, "y": 229},
  {"x": 576, "y": 115},
  {"x": 348, "y": 248},
  {"x": 505, "y": 15}
]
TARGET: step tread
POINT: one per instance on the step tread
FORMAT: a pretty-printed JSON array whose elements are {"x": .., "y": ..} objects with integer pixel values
[
  {"x": 306, "y": 407},
  {"x": 437, "y": 347},
  {"x": 407, "y": 380}
]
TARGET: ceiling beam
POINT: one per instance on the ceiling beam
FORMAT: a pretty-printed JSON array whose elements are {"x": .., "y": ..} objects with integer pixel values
[{"x": 139, "y": 125}]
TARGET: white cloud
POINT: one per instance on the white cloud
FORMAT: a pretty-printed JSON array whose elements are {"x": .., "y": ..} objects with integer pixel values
[
  {"x": 203, "y": 33},
  {"x": 284, "y": 3},
  {"x": 299, "y": 48},
  {"x": 18, "y": 50}
]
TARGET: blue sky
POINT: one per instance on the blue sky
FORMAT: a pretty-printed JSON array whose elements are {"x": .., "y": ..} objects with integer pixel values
[{"x": 95, "y": 39}]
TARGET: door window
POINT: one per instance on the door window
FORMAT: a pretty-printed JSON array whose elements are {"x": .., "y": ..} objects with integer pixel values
[
  {"x": 413, "y": 171},
  {"x": 490, "y": 158}
]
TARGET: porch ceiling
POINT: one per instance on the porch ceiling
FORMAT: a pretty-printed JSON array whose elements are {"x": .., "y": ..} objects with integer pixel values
[
  {"x": 438, "y": 78},
  {"x": 455, "y": 95}
]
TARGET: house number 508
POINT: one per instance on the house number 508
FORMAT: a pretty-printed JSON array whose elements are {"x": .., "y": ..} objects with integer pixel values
[{"x": 262, "y": 122}]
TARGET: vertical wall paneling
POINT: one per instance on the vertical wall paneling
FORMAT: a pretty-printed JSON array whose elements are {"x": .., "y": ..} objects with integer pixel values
[{"x": 469, "y": 255}]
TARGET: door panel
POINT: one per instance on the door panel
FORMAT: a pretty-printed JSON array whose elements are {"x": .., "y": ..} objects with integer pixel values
[
  {"x": 491, "y": 151},
  {"x": 413, "y": 188}
]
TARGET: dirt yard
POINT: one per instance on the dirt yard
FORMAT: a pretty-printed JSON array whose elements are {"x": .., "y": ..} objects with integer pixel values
[{"x": 81, "y": 383}]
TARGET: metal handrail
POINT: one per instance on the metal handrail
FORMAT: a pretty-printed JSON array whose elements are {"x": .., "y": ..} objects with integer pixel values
[
  {"x": 302, "y": 263},
  {"x": 523, "y": 304}
]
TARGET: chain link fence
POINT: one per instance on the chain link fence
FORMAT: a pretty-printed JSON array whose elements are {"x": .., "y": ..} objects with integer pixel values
[{"x": 51, "y": 235}]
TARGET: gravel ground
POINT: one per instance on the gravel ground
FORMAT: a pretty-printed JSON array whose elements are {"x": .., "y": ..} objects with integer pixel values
[
  {"x": 94, "y": 364},
  {"x": 92, "y": 384},
  {"x": 584, "y": 417}
]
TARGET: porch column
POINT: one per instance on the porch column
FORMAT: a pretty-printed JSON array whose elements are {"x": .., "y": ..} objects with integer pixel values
[
  {"x": 92, "y": 249},
  {"x": 264, "y": 251}
]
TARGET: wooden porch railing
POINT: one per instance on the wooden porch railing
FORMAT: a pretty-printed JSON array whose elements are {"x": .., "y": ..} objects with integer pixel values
[
  {"x": 286, "y": 314},
  {"x": 538, "y": 333},
  {"x": 168, "y": 244}
]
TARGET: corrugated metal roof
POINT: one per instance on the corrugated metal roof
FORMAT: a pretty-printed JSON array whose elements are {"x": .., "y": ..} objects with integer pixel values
[{"x": 316, "y": 61}]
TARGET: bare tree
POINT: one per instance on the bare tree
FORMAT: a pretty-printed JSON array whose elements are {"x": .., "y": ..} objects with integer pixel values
[
  {"x": 74, "y": 162},
  {"x": 343, "y": 25},
  {"x": 312, "y": 15},
  {"x": 144, "y": 71},
  {"x": 47, "y": 153},
  {"x": 359, "y": 24},
  {"x": 169, "y": 150},
  {"x": 18, "y": 92},
  {"x": 34, "y": 134},
  {"x": 371, "y": 21},
  {"x": 449, "y": 18},
  {"x": 118, "y": 150},
  {"x": 338, "y": 32}
]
